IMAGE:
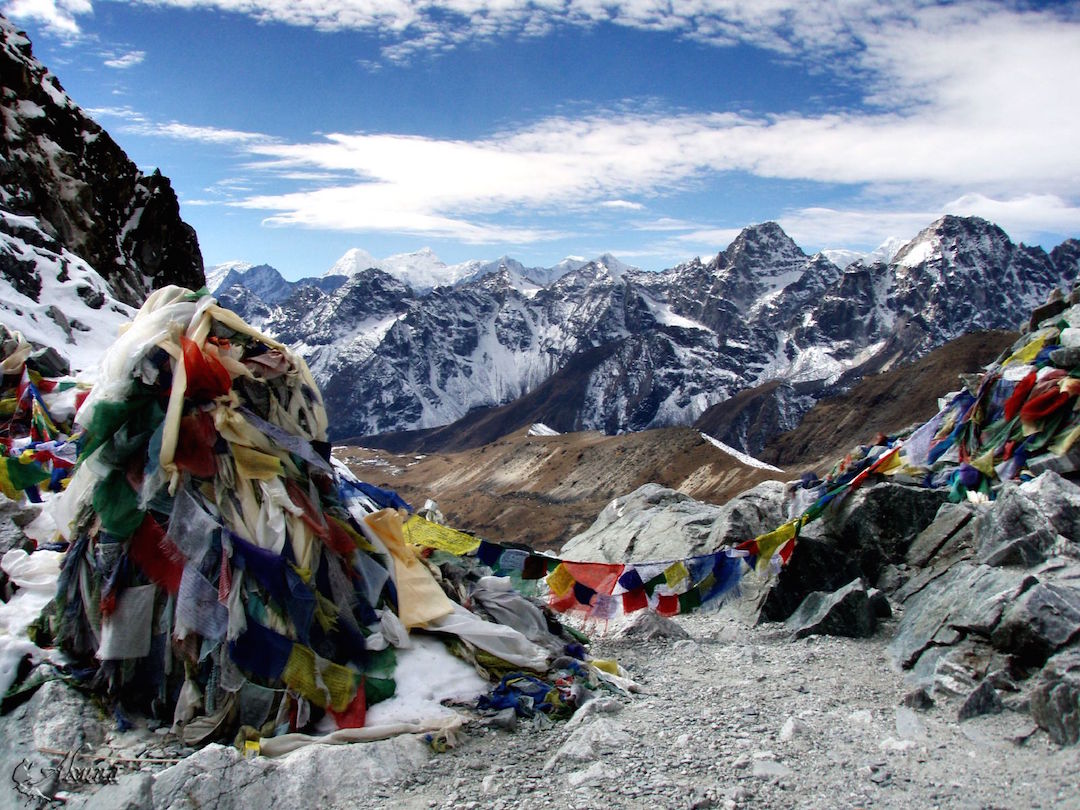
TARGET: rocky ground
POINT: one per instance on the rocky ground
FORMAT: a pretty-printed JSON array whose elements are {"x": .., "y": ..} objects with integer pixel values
[
  {"x": 740, "y": 716},
  {"x": 732, "y": 716}
]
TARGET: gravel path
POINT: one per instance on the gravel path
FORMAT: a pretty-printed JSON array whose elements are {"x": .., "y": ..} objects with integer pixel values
[{"x": 743, "y": 717}]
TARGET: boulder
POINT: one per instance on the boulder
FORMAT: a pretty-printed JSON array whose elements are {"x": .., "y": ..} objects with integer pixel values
[
  {"x": 1055, "y": 700},
  {"x": 588, "y": 742},
  {"x": 646, "y": 625},
  {"x": 316, "y": 775},
  {"x": 55, "y": 720},
  {"x": 1024, "y": 524},
  {"x": 876, "y": 525},
  {"x": 815, "y": 566},
  {"x": 983, "y": 699},
  {"x": 967, "y": 598},
  {"x": 651, "y": 523},
  {"x": 1045, "y": 618},
  {"x": 845, "y": 612},
  {"x": 657, "y": 523},
  {"x": 756, "y": 511}
]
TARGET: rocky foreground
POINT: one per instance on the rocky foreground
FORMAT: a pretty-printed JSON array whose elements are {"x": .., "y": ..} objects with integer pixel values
[{"x": 732, "y": 716}]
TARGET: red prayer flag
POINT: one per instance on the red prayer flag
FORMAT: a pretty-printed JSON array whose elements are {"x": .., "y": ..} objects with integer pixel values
[
  {"x": 668, "y": 604},
  {"x": 634, "y": 600}
]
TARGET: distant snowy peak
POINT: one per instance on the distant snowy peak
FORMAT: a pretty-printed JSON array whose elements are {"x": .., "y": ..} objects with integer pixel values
[
  {"x": 883, "y": 253},
  {"x": 886, "y": 251},
  {"x": 355, "y": 260},
  {"x": 761, "y": 251},
  {"x": 219, "y": 272},
  {"x": 614, "y": 267},
  {"x": 421, "y": 269}
]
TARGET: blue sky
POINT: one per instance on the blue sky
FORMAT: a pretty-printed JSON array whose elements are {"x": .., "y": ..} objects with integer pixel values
[{"x": 294, "y": 130}]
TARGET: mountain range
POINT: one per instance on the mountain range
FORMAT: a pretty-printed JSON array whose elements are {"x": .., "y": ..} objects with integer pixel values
[{"x": 604, "y": 346}]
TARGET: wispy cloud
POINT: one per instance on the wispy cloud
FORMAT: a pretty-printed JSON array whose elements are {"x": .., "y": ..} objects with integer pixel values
[
  {"x": 126, "y": 60},
  {"x": 136, "y": 123},
  {"x": 621, "y": 205}
]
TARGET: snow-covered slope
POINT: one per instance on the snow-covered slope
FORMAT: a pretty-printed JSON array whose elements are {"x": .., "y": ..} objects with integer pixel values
[{"x": 55, "y": 298}]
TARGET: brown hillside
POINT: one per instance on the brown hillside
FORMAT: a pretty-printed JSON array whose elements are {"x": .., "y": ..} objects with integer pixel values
[{"x": 541, "y": 490}]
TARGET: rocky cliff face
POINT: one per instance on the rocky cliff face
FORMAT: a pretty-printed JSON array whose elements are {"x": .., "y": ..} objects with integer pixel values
[{"x": 60, "y": 168}]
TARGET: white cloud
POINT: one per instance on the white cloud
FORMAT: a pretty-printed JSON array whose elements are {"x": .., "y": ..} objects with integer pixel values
[
  {"x": 127, "y": 60},
  {"x": 59, "y": 16},
  {"x": 187, "y": 132},
  {"x": 622, "y": 205},
  {"x": 1023, "y": 218},
  {"x": 817, "y": 228}
]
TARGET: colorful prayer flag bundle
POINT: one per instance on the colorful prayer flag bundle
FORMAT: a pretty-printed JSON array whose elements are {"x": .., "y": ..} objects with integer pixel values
[{"x": 37, "y": 448}]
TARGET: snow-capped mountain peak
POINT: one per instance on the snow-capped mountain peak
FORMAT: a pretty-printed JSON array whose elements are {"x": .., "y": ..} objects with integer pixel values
[
  {"x": 219, "y": 272},
  {"x": 355, "y": 260}
]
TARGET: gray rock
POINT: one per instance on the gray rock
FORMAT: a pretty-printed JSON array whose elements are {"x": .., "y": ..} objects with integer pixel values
[
  {"x": 647, "y": 625},
  {"x": 591, "y": 708},
  {"x": 323, "y": 775},
  {"x": 55, "y": 720},
  {"x": 879, "y": 604},
  {"x": 792, "y": 728},
  {"x": 877, "y": 524},
  {"x": 768, "y": 769},
  {"x": 1062, "y": 465},
  {"x": 756, "y": 511},
  {"x": 918, "y": 699},
  {"x": 891, "y": 578},
  {"x": 818, "y": 565},
  {"x": 950, "y": 518},
  {"x": 651, "y": 523},
  {"x": 13, "y": 518},
  {"x": 1044, "y": 619},
  {"x": 588, "y": 742},
  {"x": 846, "y": 612},
  {"x": 132, "y": 791},
  {"x": 908, "y": 724},
  {"x": 984, "y": 699},
  {"x": 966, "y": 599},
  {"x": 1023, "y": 525},
  {"x": 1055, "y": 700}
]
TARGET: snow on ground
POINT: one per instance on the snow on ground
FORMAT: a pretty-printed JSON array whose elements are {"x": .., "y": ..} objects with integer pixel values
[
  {"x": 59, "y": 317},
  {"x": 540, "y": 429},
  {"x": 748, "y": 460}
]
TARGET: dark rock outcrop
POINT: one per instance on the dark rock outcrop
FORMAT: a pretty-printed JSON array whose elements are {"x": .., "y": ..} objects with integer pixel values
[{"x": 60, "y": 167}]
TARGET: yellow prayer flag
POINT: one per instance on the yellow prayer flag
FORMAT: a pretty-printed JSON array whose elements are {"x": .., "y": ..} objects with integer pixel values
[
  {"x": 560, "y": 580},
  {"x": 608, "y": 665},
  {"x": 341, "y": 683},
  {"x": 252, "y": 463},
  {"x": 676, "y": 573},
  {"x": 985, "y": 463},
  {"x": 768, "y": 543},
  {"x": 299, "y": 674},
  {"x": 1027, "y": 353},
  {"x": 1065, "y": 441},
  {"x": 425, "y": 534}
]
